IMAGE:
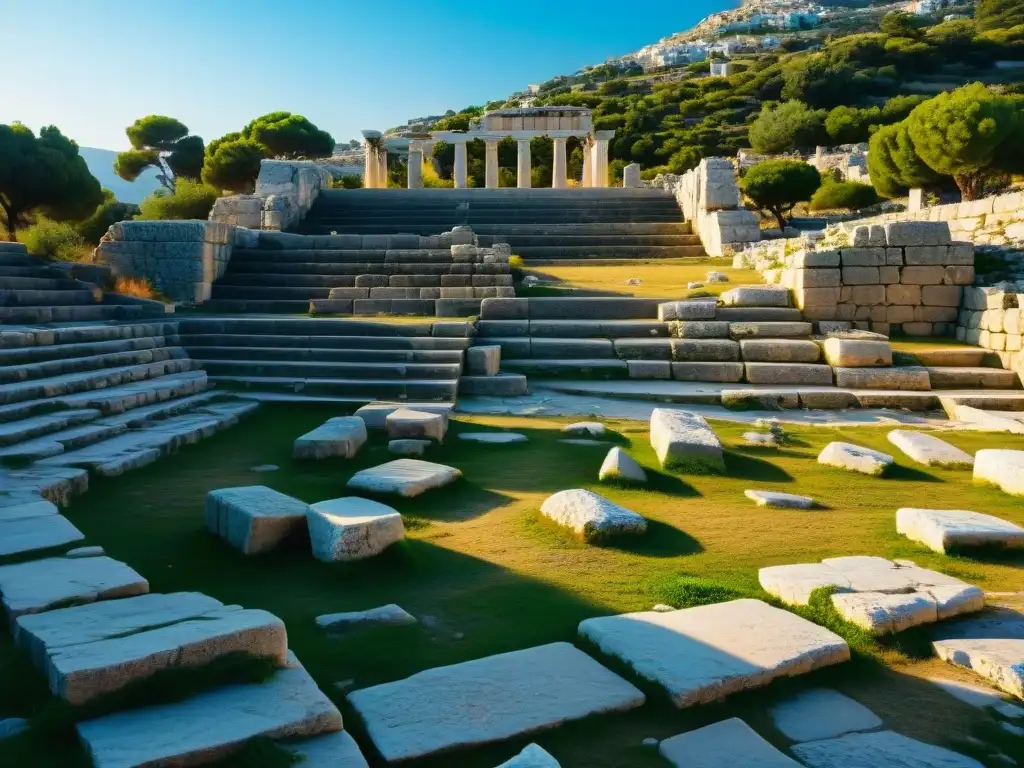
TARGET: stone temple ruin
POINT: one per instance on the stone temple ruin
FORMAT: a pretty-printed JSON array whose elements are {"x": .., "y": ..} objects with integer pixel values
[{"x": 404, "y": 307}]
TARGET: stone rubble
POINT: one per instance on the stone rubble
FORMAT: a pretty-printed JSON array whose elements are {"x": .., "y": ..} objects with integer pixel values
[
  {"x": 386, "y": 615},
  {"x": 1002, "y": 468},
  {"x": 684, "y": 441},
  {"x": 991, "y": 644},
  {"x": 619, "y": 466},
  {"x": 532, "y": 756},
  {"x": 778, "y": 499},
  {"x": 408, "y": 447},
  {"x": 820, "y": 713},
  {"x": 406, "y": 423},
  {"x": 930, "y": 450}
]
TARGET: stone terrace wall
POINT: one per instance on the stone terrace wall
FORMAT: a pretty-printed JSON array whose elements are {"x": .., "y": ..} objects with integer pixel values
[
  {"x": 993, "y": 318},
  {"x": 180, "y": 258},
  {"x": 710, "y": 200},
  {"x": 904, "y": 277},
  {"x": 285, "y": 191}
]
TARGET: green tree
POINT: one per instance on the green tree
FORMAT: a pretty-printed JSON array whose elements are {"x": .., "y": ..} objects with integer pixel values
[
  {"x": 893, "y": 164},
  {"x": 850, "y": 195},
  {"x": 784, "y": 127},
  {"x": 969, "y": 134},
  {"x": 899, "y": 24},
  {"x": 849, "y": 125},
  {"x": 43, "y": 173},
  {"x": 776, "y": 186},
  {"x": 234, "y": 165},
  {"x": 109, "y": 212},
  {"x": 999, "y": 14},
  {"x": 162, "y": 143},
  {"x": 289, "y": 136}
]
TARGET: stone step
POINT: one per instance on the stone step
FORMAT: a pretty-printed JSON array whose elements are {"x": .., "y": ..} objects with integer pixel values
[
  {"x": 43, "y": 353},
  {"x": 314, "y": 328},
  {"x": 136, "y": 417},
  {"x": 950, "y": 377},
  {"x": 73, "y": 314},
  {"x": 331, "y": 370},
  {"x": 90, "y": 380},
  {"x": 335, "y": 268},
  {"x": 33, "y": 298},
  {"x": 119, "y": 399},
  {"x": 489, "y": 233},
  {"x": 551, "y": 253},
  {"x": 30, "y": 271},
  {"x": 326, "y": 282},
  {"x": 299, "y": 342},
  {"x": 46, "y": 337},
  {"x": 586, "y": 240},
  {"x": 542, "y": 308},
  {"x": 758, "y": 314},
  {"x": 342, "y": 355},
  {"x": 604, "y": 368},
  {"x": 987, "y": 401},
  {"x": 260, "y": 306},
  {"x": 137, "y": 448},
  {"x": 61, "y": 367},
  {"x": 351, "y": 390},
  {"x": 573, "y": 329},
  {"x": 13, "y": 432},
  {"x": 502, "y": 385},
  {"x": 967, "y": 357},
  {"x": 58, "y": 442},
  {"x": 35, "y": 283},
  {"x": 17, "y": 257}
]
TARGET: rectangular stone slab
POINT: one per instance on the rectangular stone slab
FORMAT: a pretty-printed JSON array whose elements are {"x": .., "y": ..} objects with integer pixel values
[
  {"x": 212, "y": 725},
  {"x": 36, "y": 533},
  {"x": 930, "y": 450},
  {"x": 942, "y": 529},
  {"x": 684, "y": 440},
  {"x": 341, "y": 436},
  {"x": 42, "y": 585},
  {"x": 700, "y": 654},
  {"x": 334, "y": 750},
  {"x": 405, "y": 477},
  {"x": 882, "y": 748},
  {"x": 489, "y": 699},
  {"x": 254, "y": 518},
  {"x": 39, "y": 507},
  {"x": 80, "y": 673},
  {"x": 725, "y": 744},
  {"x": 991, "y": 644}
]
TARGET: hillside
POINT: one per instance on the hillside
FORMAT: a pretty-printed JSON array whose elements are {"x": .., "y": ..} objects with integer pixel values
[{"x": 101, "y": 164}]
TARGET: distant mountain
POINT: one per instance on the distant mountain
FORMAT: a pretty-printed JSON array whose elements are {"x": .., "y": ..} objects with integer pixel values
[{"x": 101, "y": 164}]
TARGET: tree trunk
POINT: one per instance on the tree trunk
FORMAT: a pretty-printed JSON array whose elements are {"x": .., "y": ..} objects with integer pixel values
[
  {"x": 971, "y": 185},
  {"x": 777, "y": 213},
  {"x": 11, "y": 224}
]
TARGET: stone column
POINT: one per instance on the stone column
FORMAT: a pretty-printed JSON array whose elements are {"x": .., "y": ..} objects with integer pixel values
[
  {"x": 916, "y": 202},
  {"x": 558, "y": 165},
  {"x": 600, "y": 160},
  {"x": 382, "y": 169},
  {"x": 460, "y": 165},
  {"x": 491, "y": 175},
  {"x": 415, "y": 165},
  {"x": 631, "y": 176},
  {"x": 369, "y": 167},
  {"x": 588, "y": 172},
  {"x": 523, "y": 165}
]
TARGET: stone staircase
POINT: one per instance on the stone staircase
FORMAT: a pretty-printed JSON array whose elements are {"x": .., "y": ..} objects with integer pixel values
[
  {"x": 538, "y": 224},
  {"x": 101, "y": 398},
  {"x": 31, "y": 292},
  {"x": 348, "y": 360}
]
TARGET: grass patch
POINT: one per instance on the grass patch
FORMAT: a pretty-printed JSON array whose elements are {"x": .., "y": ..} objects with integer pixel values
[{"x": 664, "y": 278}]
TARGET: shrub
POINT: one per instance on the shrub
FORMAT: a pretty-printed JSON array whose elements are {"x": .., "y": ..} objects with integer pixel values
[
  {"x": 776, "y": 186},
  {"x": 109, "y": 212},
  {"x": 516, "y": 262},
  {"x": 844, "y": 194},
  {"x": 348, "y": 181},
  {"x": 234, "y": 166},
  {"x": 57, "y": 240},
  {"x": 431, "y": 178},
  {"x": 190, "y": 200},
  {"x": 139, "y": 287}
]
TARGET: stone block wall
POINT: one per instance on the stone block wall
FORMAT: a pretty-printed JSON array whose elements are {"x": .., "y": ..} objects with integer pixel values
[
  {"x": 285, "y": 191},
  {"x": 710, "y": 199},
  {"x": 180, "y": 258},
  {"x": 993, "y": 318}
]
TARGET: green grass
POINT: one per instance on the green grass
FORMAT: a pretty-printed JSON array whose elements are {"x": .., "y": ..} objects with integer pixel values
[
  {"x": 661, "y": 278},
  {"x": 493, "y": 576}
]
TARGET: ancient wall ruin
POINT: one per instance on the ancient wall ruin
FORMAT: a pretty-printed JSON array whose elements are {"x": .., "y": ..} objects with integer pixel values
[{"x": 285, "y": 191}]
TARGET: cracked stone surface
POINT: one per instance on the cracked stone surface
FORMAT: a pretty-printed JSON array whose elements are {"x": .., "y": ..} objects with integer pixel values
[
  {"x": 593, "y": 517},
  {"x": 943, "y": 529},
  {"x": 991, "y": 644},
  {"x": 821, "y": 713},
  {"x": 882, "y": 748},
  {"x": 405, "y": 477}
]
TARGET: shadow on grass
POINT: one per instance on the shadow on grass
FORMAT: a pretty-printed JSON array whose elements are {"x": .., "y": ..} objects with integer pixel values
[
  {"x": 661, "y": 540},
  {"x": 991, "y": 554},
  {"x": 745, "y": 467},
  {"x": 670, "y": 485},
  {"x": 899, "y": 472}
]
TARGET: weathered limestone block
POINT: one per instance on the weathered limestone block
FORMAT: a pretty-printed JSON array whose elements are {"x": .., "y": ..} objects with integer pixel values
[
  {"x": 1002, "y": 468},
  {"x": 756, "y": 296},
  {"x": 770, "y": 330},
  {"x": 860, "y": 276},
  {"x": 333, "y": 750},
  {"x": 409, "y": 447},
  {"x": 405, "y": 477},
  {"x": 882, "y": 614},
  {"x": 820, "y": 713},
  {"x": 704, "y": 350},
  {"x": 483, "y": 360},
  {"x": 941, "y": 295},
  {"x": 922, "y": 275},
  {"x": 863, "y": 257},
  {"x": 945, "y": 529},
  {"x": 341, "y": 436},
  {"x": 697, "y": 309},
  {"x": 431, "y": 711},
  {"x": 728, "y": 373},
  {"x": 34, "y": 534},
  {"x": 855, "y": 459},
  {"x": 760, "y": 399},
  {"x": 815, "y": 259},
  {"x": 374, "y": 415},
  {"x": 351, "y": 528},
  {"x": 991, "y": 645},
  {"x": 591, "y": 516},
  {"x": 929, "y": 450},
  {"x": 913, "y": 378},
  {"x": 684, "y": 441},
  {"x": 926, "y": 255},
  {"x": 383, "y": 616},
  {"x": 698, "y": 329},
  {"x": 905, "y": 295},
  {"x": 878, "y": 748},
  {"x": 619, "y": 466},
  {"x": 409, "y": 423},
  {"x": 913, "y": 233},
  {"x": 788, "y": 373},
  {"x": 701, "y": 654},
  {"x": 779, "y": 351},
  {"x": 858, "y": 353},
  {"x": 532, "y": 756},
  {"x": 725, "y": 744},
  {"x": 253, "y": 519},
  {"x": 778, "y": 499}
]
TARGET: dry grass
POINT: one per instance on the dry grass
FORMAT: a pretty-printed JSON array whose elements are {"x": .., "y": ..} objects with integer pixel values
[
  {"x": 139, "y": 287},
  {"x": 660, "y": 278}
]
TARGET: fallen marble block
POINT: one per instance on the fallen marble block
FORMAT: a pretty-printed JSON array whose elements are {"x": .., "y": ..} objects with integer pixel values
[
  {"x": 494, "y": 438},
  {"x": 1002, "y": 468},
  {"x": 991, "y": 644},
  {"x": 212, "y": 725},
  {"x": 488, "y": 700},
  {"x": 701, "y": 654},
  {"x": 619, "y": 466},
  {"x": 342, "y": 436},
  {"x": 684, "y": 441},
  {"x": 34, "y": 534},
  {"x": 333, "y": 750},
  {"x": 41, "y": 585},
  {"x": 820, "y": 713},
  {"x": 253, "y": 518},
  {"x": 351, "y": 528},
  {"x": 405, "y": 477},
  {"x": 944, "y": 529},
  {"x": 881, "y": 748},
  {"x": 929, "y": 450},
  {"x": 407, "y": 423},
  {"x": 855, "y": 459},
  {"x": 593, "y": 517},
  {"x": 408, "y": 447},
  {"x": 781, "y": 500},
  {"x": 531, "y": 757},
  {"x": 383, "y": 616},
  {"x": 725, "y": 744}
]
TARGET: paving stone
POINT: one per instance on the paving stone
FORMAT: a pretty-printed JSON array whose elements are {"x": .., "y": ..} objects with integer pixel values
[
  {"x": 341, "y": 436},
  {"x": 855, "y": 459},
  {"x": 531, "y": 757},
  {"x": 991, "y": 644},
  {"x": 945, "y": 529},
  {"x": 858, "y": 353},
  {"x": 253, "y": 518},
  {"x": 212, "y": 725},
  {"x": 930, "y": 450},
  {"x": 620, "y": 466},
  {"x": 408, "y": 423},
  {"x": 80, "y": 552},
  {"x": 333, "y": 750},
  {"x": 494, "y": 438},
  {"x": 386, "y": 615},
  {"x": 27, "y": 509},
  {"x": 725, "y": 744},
  {"x": 592, "y": 428},
  {"x": 1002, "y": 468},
  {"x": 351, "y": 528},
  {"x": 409, "y": 447},
  {"x": 821, "y": 713},
  {"x": 405, "y": 477},
  {"x": 41, "y": 585},
  {"x": 34, "y": 534},
  {"x": 489, "y": 699},
  {"x": 593, "y": 517},
  {"x": 701, "y": 654},
  {"x": 881, "y": 748},
  {"x": 777, "y": 499},
  {"x": 684, "y": 441}
]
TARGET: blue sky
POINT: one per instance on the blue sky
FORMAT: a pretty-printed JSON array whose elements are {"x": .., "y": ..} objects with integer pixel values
[{"x": 91, "y": 67}]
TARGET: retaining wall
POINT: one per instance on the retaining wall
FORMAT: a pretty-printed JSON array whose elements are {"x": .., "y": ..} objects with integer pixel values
[
  {"x": 285, "y": 191},
  {"x": 993, "y": 318}
]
